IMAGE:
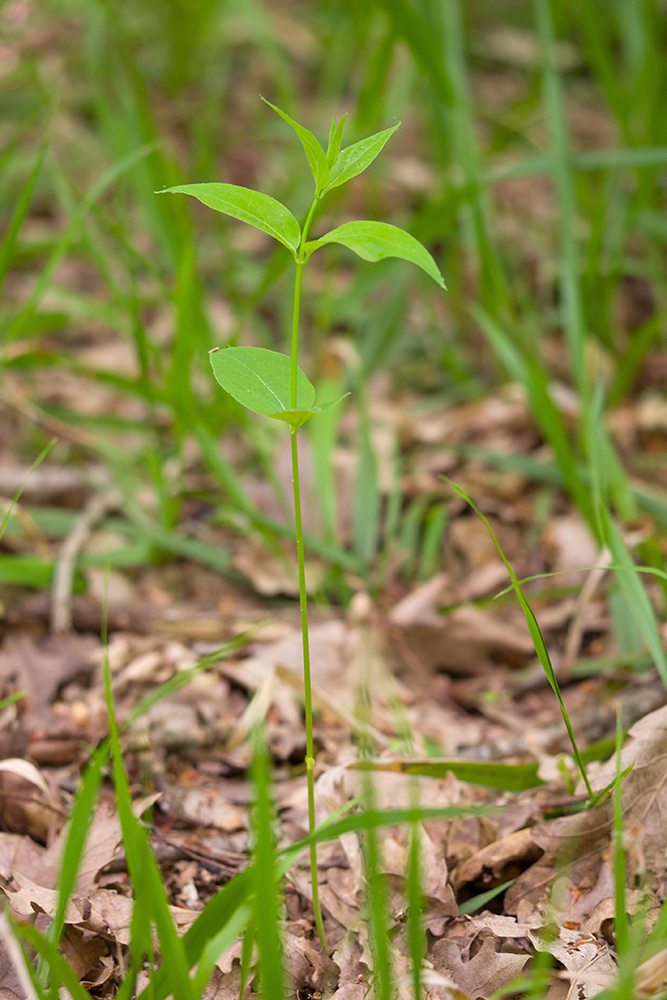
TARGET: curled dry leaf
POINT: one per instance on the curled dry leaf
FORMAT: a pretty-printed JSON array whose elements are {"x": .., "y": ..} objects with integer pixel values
[
  {"x": 26, "y": 803},
  {"x": 652, "y": 974},
  {"x": 499, "y": 861}
]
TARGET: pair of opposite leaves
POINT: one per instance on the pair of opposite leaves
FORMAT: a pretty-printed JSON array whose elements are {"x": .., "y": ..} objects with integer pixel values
[{"x": 261, "y": 379}]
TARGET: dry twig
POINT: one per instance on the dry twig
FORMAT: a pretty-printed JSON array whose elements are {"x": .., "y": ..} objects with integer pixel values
[{"x": 63, "y": 577}]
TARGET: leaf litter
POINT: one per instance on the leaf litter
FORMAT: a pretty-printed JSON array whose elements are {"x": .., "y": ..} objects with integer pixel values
[
  {"x": 477, "y": 656},
  {"x": 193, "y": 744}
]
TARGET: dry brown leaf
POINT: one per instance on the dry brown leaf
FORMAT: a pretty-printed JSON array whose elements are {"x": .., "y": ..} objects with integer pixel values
[
  {"x": 569, "y": 545},
  {"x": 34, "y": 861},
  {"x": 81, "y": 951},
  {"x": 578, "y": 841},
  {"x": 652, "y": 973},
  {"x": 102, "y": 844},
  {"x": 26, "y": 803},
  {"x": 14, "y": 964},
  {"x": 484, "y": 974},
  {"x": 223, "y": 985},
  {"x": 469, "y": 641},
  {"x": 270, "y": 575},
  {"x": 502, "y": 926},
  {"x": 9, "y": 843},
  {"x": 499, "y": 861},
  {"x": 207, "y": 807},
  {"x": 347, "y": 916},
  {"x": 31, "y": 898},
  {"x": 420, "y": 606},
  {"x": 10, "y": 982},
  {"x": 41, "y": 666},
  {"x": 645, "y": 787},
  {"x": 468, "y": 835},
  {"x": 102, "y": 973},
  {"x": 525, "y": 899},
  {"x": 586, "y": 959},
  {"x": 310, "y": 967},
  {"x": 352, "y": 983}
]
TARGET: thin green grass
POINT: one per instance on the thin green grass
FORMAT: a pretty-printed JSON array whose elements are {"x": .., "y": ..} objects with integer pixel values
[{"x": 536, "y": 636}]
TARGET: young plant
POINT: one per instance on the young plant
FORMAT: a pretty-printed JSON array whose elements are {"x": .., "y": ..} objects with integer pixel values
[{"x": 272, "y": 384}]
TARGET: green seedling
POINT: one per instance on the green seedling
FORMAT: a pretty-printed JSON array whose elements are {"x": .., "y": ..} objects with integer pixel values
[{"x": 271, "y": 383}]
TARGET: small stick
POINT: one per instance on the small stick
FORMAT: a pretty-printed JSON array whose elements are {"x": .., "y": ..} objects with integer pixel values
[
  {"x": 63, "y": 577},
  {"x": 576, "y": 630}
]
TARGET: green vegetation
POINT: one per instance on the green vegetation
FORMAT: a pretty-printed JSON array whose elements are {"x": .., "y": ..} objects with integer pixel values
[
  {"x": 272, "y": 384},
  {"x": 533, "y": 168}
]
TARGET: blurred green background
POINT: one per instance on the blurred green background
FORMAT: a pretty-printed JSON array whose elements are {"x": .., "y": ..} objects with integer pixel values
[{"x": 531, "y": 161}]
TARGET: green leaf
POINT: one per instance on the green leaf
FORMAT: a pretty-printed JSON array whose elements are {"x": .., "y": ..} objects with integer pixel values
[
  {"x": 376, "y": 240},
  {"x": 261, "y": 380},
  {"x": 317, "y": 158},
  {"x": 293, "y": 417},
  {"x": 254, "y": 207},
  {"x": 335, "y": 139},
  {"x": 329, "y": 405},
  {"x": 358, "y": 156},
  {"x": 298, "y": 417},
  {"x": 479, "y": 902},
  {"x": 493, "y": 774}
]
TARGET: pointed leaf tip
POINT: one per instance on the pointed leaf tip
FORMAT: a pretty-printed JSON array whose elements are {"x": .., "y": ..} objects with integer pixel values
[
  {"x": 317, "y": 158},
  {"x": 335, "y": 139},
  {"x": 252, "y": 207},
  {"x": 376, "y": 240},
  {"x": 355, "y": 158}
]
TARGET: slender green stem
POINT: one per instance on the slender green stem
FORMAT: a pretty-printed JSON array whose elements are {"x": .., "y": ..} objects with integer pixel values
[
  {"x": 295, "y": 329},
  {"x": 303, "y": 597},
  {"x": 307, "y": 692},
  {"x": 301, "y": 263}
]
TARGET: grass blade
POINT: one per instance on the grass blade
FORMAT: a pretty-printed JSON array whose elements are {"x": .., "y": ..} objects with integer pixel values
[
  {"x": 8, "y": 245},
  {"x": 80, "y": 820},
  {"x": 560, "y": 158},
  {"x": 535, "y": 634},
  {"x": 150, "y": 895},
  {"x": 217, "y": 946},
  {"x": 60, "y": 968},
  {"x": 416, "y": 937},
  {"x": 622, "y": 930},
  {"x": 266, "y": 918},
  {"x": 108, "y": 177},
  {"x": 477, "y": 903},
  {"x": 17, "y": 496},
  {"x": 491, "y": 774}
]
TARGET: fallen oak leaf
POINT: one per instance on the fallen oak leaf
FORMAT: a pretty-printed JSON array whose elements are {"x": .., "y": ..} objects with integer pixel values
[
  {"x": 31, "y": 898},
  {"x": 486, "y": 973},
  {"x": 586, "y": 959}
]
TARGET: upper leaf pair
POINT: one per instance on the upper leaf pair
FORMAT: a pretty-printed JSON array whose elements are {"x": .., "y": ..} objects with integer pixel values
[
  {"x": 370, "y": 240},
  {"x": 335, "y": 167}
]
